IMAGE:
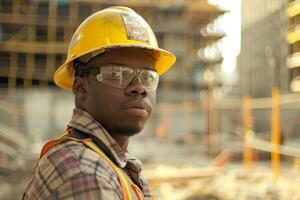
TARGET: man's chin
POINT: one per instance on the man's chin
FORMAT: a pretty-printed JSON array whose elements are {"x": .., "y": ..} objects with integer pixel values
[{"x": 129, "y": 131}]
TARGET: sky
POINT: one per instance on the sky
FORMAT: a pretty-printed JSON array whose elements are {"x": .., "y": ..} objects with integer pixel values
[{"x": 230, "y": 24}]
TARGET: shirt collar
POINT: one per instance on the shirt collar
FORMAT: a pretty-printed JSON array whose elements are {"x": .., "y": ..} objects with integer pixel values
[{"x": 84, "y": 122}]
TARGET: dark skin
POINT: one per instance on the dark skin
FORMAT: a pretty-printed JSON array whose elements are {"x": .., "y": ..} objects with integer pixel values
[{"x": 122, "y": 112}]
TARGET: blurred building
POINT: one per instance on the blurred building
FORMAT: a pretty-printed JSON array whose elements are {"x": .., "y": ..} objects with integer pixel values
[
  {"x": 269, "y": 56},
  {"x": 263, "y": 47},
  {"x": 293, "y": 37},
  {"x": 34, "y": 36},
  {"x": 293, "y": 62}
]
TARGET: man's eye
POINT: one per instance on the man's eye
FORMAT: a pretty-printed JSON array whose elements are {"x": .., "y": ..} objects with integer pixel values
[
  {"x": 148, "y": 76},
  {"x": 113, "y": 75}
]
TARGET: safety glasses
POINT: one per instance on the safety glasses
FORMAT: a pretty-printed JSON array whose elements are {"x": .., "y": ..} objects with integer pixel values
[{"x": 120, "y": 76}]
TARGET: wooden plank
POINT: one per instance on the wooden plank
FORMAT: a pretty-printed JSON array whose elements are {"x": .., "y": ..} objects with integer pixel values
[
  {"x": 132, "y": 3},
  {"x": 12, "y": 71},
  {"x": 16, "y": 7},
  {"x": 13, "y": 137},
  {"x": 181, "y": 175},
  {"x": 267, "y": 146},
  {"x": 73, "y": 17},
  {"x": 34, "y": 47},
  {"x": 37, "y": 74},
  {"x": 51, "y": 30},
  {"x": 30, "y": 68},
  {"x": 34, "y": 20},
  {"x": 7, "y": 149},
  {"x": 30, "y": 64},
  {"x": 20, "y": 35},
  {"x": 8, "y": 106},
  {"x": 51, "y": 37}
]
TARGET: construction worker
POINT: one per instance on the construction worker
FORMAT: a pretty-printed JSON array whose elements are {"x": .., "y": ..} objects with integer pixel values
[{"x": 113, "y": 68}]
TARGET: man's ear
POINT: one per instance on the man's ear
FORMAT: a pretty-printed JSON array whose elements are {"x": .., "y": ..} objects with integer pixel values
[{"x": 80, "y": 87}]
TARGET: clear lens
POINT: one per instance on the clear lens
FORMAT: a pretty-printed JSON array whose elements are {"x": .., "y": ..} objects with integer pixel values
[
  {"x": 150, "y": 79},
  {"x": 121, "y": 77},
  {"x": 111, "y": 76}
]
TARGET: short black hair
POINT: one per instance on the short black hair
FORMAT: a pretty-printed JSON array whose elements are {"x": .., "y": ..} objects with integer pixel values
[{"x": 79, "y": 68}]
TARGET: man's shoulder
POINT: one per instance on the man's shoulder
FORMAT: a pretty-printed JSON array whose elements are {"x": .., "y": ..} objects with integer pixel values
[
  {"x": 69, "y": 164},
  {"x": 72, "y": 158}
]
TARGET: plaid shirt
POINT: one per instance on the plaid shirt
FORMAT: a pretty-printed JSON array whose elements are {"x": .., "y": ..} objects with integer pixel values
[{"x": 70, "y": 170}]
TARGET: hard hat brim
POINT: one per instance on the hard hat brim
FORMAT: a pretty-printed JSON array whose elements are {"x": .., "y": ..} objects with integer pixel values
[{"x": 63, "y": 76}]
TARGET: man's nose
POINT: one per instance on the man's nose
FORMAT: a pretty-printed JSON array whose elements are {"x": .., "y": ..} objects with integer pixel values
[{"x": 136, "y": 87}]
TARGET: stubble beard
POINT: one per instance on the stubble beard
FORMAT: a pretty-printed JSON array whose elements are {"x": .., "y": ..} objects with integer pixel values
[{"x": 127, "y": 131}]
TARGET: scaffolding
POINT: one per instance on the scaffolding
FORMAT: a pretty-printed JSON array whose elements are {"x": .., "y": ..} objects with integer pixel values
[{"x": 34, "y": 36}]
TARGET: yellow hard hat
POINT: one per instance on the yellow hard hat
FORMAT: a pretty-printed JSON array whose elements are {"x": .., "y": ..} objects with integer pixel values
[{"x": 113, "y": 27}]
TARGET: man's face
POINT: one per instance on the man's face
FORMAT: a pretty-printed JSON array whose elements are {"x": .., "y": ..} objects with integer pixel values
[{"x": 120, "y": 111}]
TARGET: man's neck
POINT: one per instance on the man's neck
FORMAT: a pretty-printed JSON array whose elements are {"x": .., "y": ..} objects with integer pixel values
[{"x": 121, "y": 140}]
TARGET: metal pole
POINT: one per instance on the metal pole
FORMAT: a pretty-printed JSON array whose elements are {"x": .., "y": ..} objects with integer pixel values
[
  {"x": 247, "y": 121},
  {"x": 275, "y": 118},
  {"x": 276, "y": 135}
]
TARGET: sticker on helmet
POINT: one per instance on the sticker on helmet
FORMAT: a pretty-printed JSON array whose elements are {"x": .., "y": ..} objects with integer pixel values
[{"x": 135, "y": 27}]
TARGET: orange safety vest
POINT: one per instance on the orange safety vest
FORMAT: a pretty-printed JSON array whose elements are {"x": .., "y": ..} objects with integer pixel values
[{"x": 130, "y": 191}]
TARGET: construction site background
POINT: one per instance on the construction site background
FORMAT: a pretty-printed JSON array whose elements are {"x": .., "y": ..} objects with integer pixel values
[{"x": 227, "y": 120}]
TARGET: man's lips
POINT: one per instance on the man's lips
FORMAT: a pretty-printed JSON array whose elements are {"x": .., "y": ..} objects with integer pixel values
[
  {"x": 137, "y": 111},
  {"x": 138, "y": 108}
]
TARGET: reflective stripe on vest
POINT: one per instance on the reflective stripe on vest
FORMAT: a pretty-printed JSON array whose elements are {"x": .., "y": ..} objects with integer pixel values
[{"x": 129, "y": 189}]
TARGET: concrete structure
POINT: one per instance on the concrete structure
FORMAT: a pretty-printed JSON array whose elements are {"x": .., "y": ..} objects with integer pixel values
[
  {"x": 263, "y": 43},
  {"x": 35, "y": 36},
  {"x": 293, "y": 37}
]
